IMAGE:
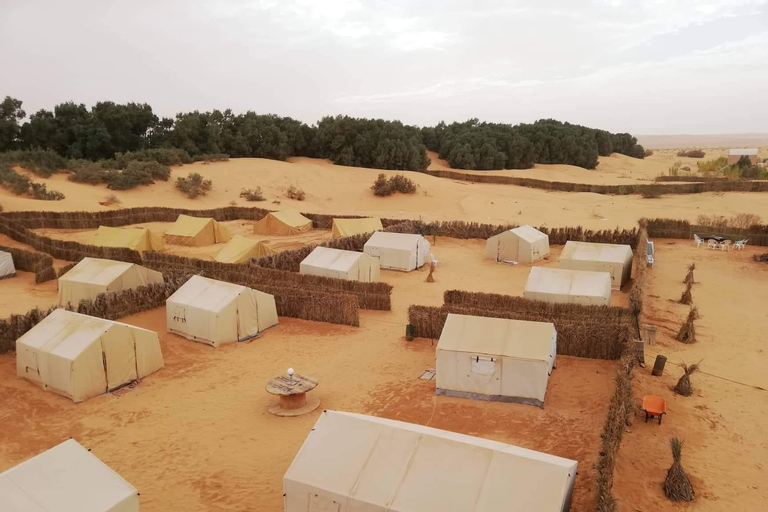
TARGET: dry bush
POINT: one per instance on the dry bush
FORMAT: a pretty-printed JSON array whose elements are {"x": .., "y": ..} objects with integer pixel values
[
  {"x": 689, "y": 279},
  {"x": 194, "y": 185},
  {"x": 398, "y": 183},
  {"x": 686, "y": 297},
  {"x": 683, "y": 386},
  {"x": 687, "y": 332},
  {"x": 691, "y": 153},
  {"x": 762, "y": 258},
  {"x": 647, "y": 153},
  {"x": 738, "y": 221},
  {"x": 252, "y": 195},
  {"x": 295, "y": 193},
  {"x": 677, "y": 485}
]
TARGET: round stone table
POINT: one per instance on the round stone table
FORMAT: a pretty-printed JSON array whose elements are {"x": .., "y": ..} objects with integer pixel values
[{"x": 292, "y": 391}]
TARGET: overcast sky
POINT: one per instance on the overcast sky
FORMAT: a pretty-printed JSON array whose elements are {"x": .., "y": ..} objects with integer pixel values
[{"x": 644, "y": 66}]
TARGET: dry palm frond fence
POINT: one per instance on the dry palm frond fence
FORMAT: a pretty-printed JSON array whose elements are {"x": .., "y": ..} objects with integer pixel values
[
  {"x": 29, "y": 261},
  {"x": 110, "y": 306},
  {"x": 290, "y": 261},
  {"x": 560, "y": 186},
  {"x": 675, "y": 228}
]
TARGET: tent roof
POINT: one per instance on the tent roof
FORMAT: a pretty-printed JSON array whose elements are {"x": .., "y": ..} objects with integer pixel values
[
  {"x": 291, "y": 217},
  {"x": 66, "y": 478},
  {"x": 529, "y": 233},
  {"x": 406, "y": 241},
  {"x": 497, "y": 337},
  {"x": 188, "y": 226},
  {"x": 96, "y": 271},
  {"x": 586, "y": 251},
  {"x": 119, "y": 237},
  {"x": 568, "y": 282},
  {"x": 743, "y": 152},
  {"x": 335, "y": 259},
  {"x": 206, "y": 294},
  {"x": 240, "y": 247},
  {"x": 349, "y": 227},
  {"x": 407, "y": 467},
  {"x": 66, "y": 333}
]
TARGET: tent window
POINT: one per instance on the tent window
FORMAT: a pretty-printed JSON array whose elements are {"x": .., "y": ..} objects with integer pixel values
[{"x": 483, "y": 365}]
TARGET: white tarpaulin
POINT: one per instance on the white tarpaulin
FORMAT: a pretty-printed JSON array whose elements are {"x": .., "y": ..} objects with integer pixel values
[
  {"x": 495, "y": 359},
  {"x": 215, "y": 312},
  {"x": 398, "y": 251},
  {"x": 356, "y": 463},
  {"x": 66, "y": 478}
]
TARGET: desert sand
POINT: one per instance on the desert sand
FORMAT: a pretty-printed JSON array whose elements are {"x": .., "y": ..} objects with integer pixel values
[{"x": 196, "y": 435}]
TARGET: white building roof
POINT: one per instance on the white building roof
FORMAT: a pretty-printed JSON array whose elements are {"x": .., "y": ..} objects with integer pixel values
[{"x": 743, "y": 152}]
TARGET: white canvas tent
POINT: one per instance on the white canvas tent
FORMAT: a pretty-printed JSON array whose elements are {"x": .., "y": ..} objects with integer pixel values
[
  {"x": 495, "y": 359},
  {"x": 216, "y": 312},
  {"x": 568, "y": 286},
  {"x": 349, "y": 265},
  {"x": 524, "y": 244},
  {"x": 7, "y": 269},
  {"x": 66, "y": 478},
  {"x": 80, "y": 356},
  {"x": 398, "y": 251},
  {"x": 351, "y": 227},
  {"x": 351, "y": 462},
  {"x": 93, "y": 276},
  {"x": 612, "y": 258}
]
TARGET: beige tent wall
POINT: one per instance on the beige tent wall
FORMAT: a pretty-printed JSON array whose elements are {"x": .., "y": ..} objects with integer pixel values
[
  {"x": 65, "y": 478},
  {"x": 495, "y": 359},
  {"x": 7, "y": 269},
  {"x": 80, "y": 357},
  {"x": 524, "y": 244},
  {"x": 138, "y": 239},
  {"x": 612, "y": 258},
  {"x": 284, "y": 223},
  {"x": 216, "y": 312},
  {"x": 569, "y": 286},
  {"x": 339, "y": 264},
  {"x": 93, "y": 276},
  {"x": 350, "y": 227},
  {"x": 398, "y": 251},
  {"x": 351, "y": 462},
  {"x": 196, "y": 231},
  {"x": 240, "y": 249}
]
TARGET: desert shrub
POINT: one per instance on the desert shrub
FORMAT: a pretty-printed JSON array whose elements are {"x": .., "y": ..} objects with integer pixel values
[
  {"x": 194, "y": 185},
  {"x": 710, "y": 167},
  {"x": 691, "y": 153},
  {"x": 683, "y": 386},
  {"x": 40, "y": 191},
  {"x": 163, "y": 156},
  {"x": 252, "y": 195},
  {"x": 23, "y": 186},
  {"x": 677, "y": 485},
  {"x": 652, "y": 192},
  {"x": 675, "y": 169},
  {"x": 738, "y": 221},
  {"x": 687, "y": 332},
  {"x": 135, "y": 174},
  {"x": 648, "y": 152},
  {"x": 296, "y": 193},
  {"x": 85, "y": 171},
  {"x": 43, "y": 162},
  {"x": 211, "y": 157},
  {"x": 398, "y": 183},
  {"x": 760, "y": 258}
]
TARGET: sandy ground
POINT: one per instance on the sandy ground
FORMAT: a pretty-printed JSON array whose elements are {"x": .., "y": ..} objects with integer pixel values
[
  {"x": 196, "y": 436},
  {"x": 208, "y": 252},
  {"x": 334, "y": 189},
  {"x": 723, "y": 423}
]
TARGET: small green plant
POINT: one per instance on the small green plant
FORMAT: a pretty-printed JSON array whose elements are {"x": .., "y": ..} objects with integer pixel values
[
  {"x": 677, "y": 485},
  {"x": 194, "y": 185},
  {"x": 295, "y": 193},
  {"x": 252, "y": 195},
  {"x": 398, "y": 183}
]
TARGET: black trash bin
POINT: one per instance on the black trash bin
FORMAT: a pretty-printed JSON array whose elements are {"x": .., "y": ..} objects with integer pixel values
[
  {"x": 658, "y": 366},
  {"x": 409, "y": 332}
]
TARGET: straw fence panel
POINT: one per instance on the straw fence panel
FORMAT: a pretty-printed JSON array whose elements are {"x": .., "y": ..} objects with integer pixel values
[
  {"x": 29, "y": 261},
  {"x": 559, "y": 186},
  {"x": 675, "y": 228},
  {"x": 575, "y": 337}
]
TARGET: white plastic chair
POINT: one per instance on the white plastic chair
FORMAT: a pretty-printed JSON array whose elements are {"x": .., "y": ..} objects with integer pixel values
[
  {"x": 698, "y": 241},
  {"x": 712, "y": 244},
  {"x": 739, "y": 244},
  {"x": 725, "y": 245}
]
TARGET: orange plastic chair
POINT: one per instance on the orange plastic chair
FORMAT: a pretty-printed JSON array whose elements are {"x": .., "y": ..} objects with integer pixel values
[{"x": 654, "y": 406}]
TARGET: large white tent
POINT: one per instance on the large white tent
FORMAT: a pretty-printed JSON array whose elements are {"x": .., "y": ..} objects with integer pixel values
[
  {"x": 495, "y": 359},
  {"x": 350, "y": 227},
  {"x": 216, "y": 312},
  {"x": 80, "y": 356},
  {"x": 351, "y": 462},
  {"x": 568, "y": 286},
  {"x": 93, "y": 276},
  {"x": 612, "y": 258},
  {"x": 66, "y": 478},
  {"x": 349, "y": 265},
  {"x": 524, "y": 244},
  {"x": 7, "y": 269},
  {"x": 398, "y": 251}
]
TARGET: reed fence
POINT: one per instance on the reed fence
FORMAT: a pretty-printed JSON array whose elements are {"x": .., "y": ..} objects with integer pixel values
[
  {"x": 628, "y": 189},
  {"x": 29, "y": 261},
  {"x": 675, "y": 228}
]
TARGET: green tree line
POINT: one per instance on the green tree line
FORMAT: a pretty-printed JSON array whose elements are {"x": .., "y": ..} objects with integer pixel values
[{"x": 109, "y": 129}]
